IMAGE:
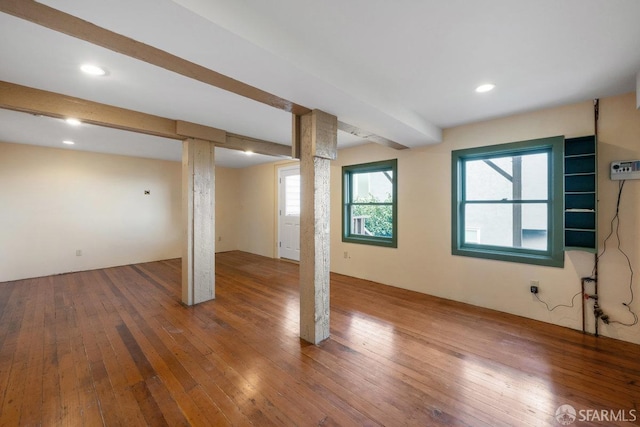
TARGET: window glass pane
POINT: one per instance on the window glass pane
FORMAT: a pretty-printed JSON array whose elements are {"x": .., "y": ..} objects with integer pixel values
[
  {"x": 494, "y": 225},
  {"x": 484, "y": 182},
  {"x": 292, "y": 188},
  {"x": 535, "y": 176},
  {"x": 507, "y": 178},
  {"x": 372, "y": 186},
  {"x": 372, "y": 220}
]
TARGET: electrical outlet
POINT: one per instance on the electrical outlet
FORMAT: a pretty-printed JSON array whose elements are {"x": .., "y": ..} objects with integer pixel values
[
  {"x": 78, "y": 252},
  {"x": 534, "y": 284},
  {"x": 346, "y": 254}
]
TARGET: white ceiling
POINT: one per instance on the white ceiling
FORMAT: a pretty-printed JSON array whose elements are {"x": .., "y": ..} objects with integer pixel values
[{"x": 404, "y": 69}]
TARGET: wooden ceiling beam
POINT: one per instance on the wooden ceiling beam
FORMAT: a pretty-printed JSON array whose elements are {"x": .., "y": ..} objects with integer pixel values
[
  {"x": 206, "y": 133},
  {"x": 65, "y": 23},
  {"x": 35, "y": 101},
  {"x": 40, "y": 102},
  {"x": 244, "y": 143}
]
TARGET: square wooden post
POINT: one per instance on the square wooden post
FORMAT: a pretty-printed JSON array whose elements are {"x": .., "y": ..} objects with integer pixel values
[
  {"x": 198, "y": 207},
  {"x": 315, "y": 140}
]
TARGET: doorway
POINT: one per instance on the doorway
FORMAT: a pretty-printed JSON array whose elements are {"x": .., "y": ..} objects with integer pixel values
[{"x": 289, "y": 212}]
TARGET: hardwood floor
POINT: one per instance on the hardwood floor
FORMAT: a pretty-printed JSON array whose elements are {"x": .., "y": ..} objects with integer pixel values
[{"x": 116, "y": 347}]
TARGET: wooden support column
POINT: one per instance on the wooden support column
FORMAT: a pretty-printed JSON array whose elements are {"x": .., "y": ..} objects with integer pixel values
[
  {"x": 198, "y": 207},
  {"x": 315, "y": 134}
]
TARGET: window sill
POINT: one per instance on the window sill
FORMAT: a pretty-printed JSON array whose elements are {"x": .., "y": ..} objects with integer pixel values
[
  {"x": 511, "y": 256},
  {"x": 373, "y": 241}
]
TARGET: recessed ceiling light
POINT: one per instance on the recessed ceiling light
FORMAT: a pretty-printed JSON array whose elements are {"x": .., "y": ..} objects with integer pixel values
[
  {"x": 485, "y": 88},
  {"x": 68, "y": 142},
  {"x": 94, "y": 70},
  {"x": 73, "y": 122}
]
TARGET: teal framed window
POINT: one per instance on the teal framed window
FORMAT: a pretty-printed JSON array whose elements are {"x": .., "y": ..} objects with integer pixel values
[
  {"x": 507, "y": 202},
  {"x": 370, "y": 203}
]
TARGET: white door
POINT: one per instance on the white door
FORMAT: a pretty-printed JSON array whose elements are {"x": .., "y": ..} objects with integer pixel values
[{"x": 289, "y": 212}]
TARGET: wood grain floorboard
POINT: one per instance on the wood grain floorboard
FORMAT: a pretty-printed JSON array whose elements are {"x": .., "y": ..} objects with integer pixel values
[{"x": 116, "y": 347}]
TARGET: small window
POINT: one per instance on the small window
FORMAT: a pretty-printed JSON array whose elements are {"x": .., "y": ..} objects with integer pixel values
[
  {"x": 292, "y": 196},
  {"x": 370, "y": 203},
  {"x": 507, "y": 202}
]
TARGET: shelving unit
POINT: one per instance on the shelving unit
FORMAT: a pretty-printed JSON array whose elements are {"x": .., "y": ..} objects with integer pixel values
[{"x": 580, "y": 194}]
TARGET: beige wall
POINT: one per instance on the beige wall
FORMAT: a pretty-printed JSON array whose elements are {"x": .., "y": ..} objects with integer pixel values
[
  {"x": 227, "y": 208},
  {"x": 423, "y": 260},
  {"x": 55, "y": 201},
  {"x": 619, "y": 140},
  {"x": 258, "y": 193}
]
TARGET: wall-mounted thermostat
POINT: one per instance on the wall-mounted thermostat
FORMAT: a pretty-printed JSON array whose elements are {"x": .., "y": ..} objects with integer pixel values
[{"x": 629, "y": 169}]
